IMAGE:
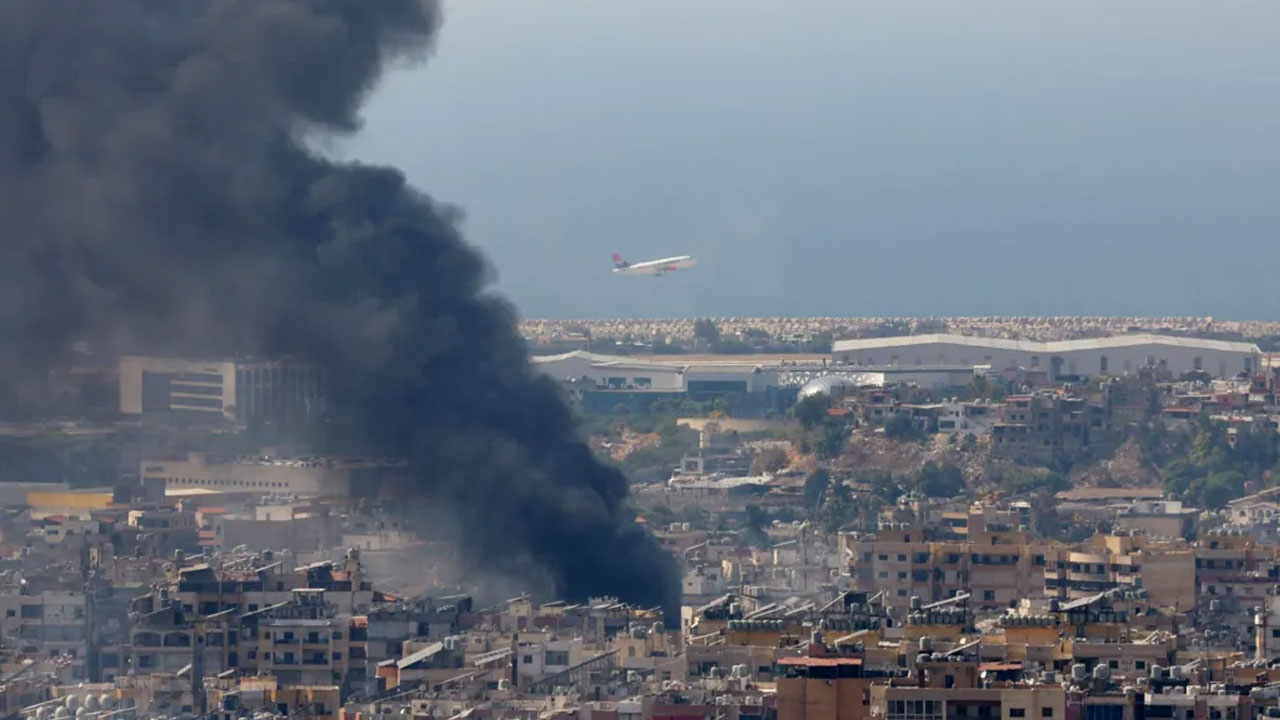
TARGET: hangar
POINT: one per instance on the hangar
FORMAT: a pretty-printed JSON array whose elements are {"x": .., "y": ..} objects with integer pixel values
[{"x": 1115, "y": 355}]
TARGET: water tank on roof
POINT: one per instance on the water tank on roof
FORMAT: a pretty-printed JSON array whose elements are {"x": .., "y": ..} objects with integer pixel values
[
  {"x": 1079, "y": 672},
  {"x": 1101, "y": 672}
]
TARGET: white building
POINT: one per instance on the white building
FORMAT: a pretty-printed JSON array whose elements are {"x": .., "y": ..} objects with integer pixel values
[
  {"x": 677, "y": 374},
  {"x": 967, "y": 418},
  {"x": 1097, "y": 356},
  {"x": 1267, "y": 628},
  {"x": 230, "y": 389}
]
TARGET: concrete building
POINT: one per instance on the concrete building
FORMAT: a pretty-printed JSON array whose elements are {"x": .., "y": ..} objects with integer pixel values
[
  {"x": 996, "y": 565},
  {"x": 1166, "y": 571},
  {"x": 678, "y": 374},
  {"x": 1116, "y": 355},
  {"x": 308, "y": 476},
  {"x": 242, "y": 391},
  {"x": 1045, "y": 702},
  {"x": 601, "y": 383},
  {"x": 1165, "y": 518},
  {"x": 1267, "y": 629}
]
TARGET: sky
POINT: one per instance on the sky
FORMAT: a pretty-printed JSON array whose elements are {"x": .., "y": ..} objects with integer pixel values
[{"x": 854, "y": 157}]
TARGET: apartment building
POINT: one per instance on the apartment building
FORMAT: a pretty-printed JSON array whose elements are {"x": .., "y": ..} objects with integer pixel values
[
  {"x": 997, "y": 565},
  {"x": 1044, "y": 425},
  {"x": 305, "y": 642},
  {"x": 1165, "y": 570}
]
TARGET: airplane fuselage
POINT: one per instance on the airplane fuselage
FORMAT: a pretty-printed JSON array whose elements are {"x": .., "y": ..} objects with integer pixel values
[{"x": 658, "y": 267}]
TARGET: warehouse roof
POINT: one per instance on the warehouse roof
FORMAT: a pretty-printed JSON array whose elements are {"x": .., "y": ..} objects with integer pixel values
[{"x": 1062, "y": 346}]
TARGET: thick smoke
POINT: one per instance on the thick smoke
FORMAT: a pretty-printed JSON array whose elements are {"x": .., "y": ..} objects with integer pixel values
[{"x": 155, "y": 197}]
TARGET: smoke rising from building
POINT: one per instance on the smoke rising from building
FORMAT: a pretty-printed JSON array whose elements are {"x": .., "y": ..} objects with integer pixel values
[{"x": 155, "y": 197}]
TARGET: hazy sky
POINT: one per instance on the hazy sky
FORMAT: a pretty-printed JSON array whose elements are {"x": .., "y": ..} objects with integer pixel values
[{"x": 850, "y": 157}]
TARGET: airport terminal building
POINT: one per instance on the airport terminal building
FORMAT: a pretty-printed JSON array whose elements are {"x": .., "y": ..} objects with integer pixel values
[{"x": 1089, "y": 357}]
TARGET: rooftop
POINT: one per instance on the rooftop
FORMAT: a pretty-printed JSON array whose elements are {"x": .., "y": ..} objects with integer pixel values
[{"x": 1048, "y": 348}]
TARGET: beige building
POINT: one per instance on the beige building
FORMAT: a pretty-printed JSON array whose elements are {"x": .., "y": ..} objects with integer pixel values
[
  {"x": 997, "y": 565},
  {"x": 1165, "y": 570},
  {"x": 310, "y": 476},
  {"x": 242, "y": 391},
  {"x": 1043, "y": 702}
]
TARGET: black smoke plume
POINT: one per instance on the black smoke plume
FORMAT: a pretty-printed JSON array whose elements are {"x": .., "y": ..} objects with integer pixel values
[{"x": 156, "y": 197}]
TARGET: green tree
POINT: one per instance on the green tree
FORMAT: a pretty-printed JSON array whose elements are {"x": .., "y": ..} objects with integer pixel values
[
  {"x": 828, "y": 440},
  {"x": 705, "y": 329},
  {"x": 821, "y": 342},
  {"x": 882, "y": 484},
  {"x": 811, "y": 410},
  {"x": 901, "y": 427},
  {"x": 753, "y": 530},
  {"x": 940, "y": 481},
  {"x": 838, "y": 512},
  {"x": 815, "y": 488}
]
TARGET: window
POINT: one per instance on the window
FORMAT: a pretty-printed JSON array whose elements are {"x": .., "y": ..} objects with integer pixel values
[
  {"x": 1046, "y": 712},
  {"x": 1017, "y": 712},
  {"x": 902, "y": 558},
  {"x": 989, "y": 595},
  {"x": 1113, "y": 664},
  {"x": 1139, "y": 664},
  {"x": 557, "y": 657},
  {"x": 527, "y": 659},
  {"x": 902, "y": 575}
]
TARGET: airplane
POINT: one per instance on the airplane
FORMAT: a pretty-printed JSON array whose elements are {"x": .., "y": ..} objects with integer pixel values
[{"x": 655, "y": 268}]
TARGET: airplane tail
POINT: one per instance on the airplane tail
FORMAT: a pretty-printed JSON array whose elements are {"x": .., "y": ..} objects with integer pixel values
[{"x": 619, "y": 263}]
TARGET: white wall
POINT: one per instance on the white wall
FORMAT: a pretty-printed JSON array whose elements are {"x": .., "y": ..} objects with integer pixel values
[{"x": 1085, "y": 361}]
